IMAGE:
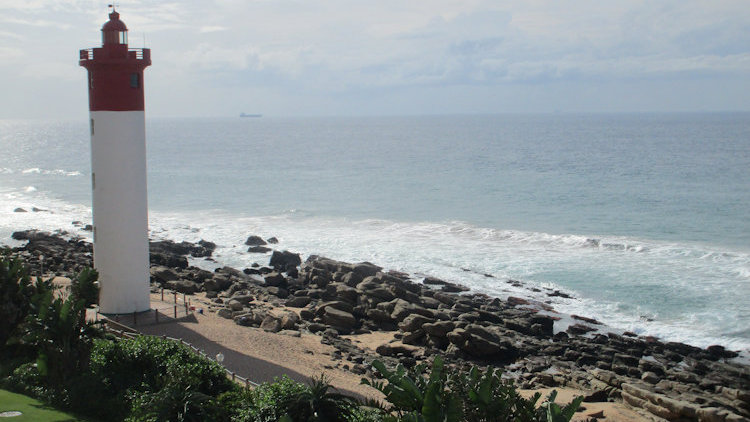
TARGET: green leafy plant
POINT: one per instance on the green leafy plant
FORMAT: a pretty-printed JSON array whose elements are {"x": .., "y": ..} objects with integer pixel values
[
  {"x": 486, "y": 397},
  {"x": 416, "y": 397},
  {"x": 555, "y": 413},
  {"x": 447, "y": 395},
  {"x": 84, "y": 287},
  {"x": 16, "y": 291},
  {"x": 62, "y": 337},
  {"x": 318, "y": 403}
]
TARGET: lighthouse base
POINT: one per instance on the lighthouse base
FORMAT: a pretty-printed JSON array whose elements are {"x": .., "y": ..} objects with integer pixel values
[{"x": 120, "y": 207}]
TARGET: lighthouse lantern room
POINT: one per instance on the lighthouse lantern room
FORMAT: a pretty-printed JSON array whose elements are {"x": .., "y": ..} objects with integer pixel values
[{"x": 118, "y": 168}]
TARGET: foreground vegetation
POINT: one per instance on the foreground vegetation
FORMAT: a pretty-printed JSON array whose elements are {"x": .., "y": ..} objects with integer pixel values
[
  {"x": 49, "y": 351},
  {"x": 31, "y": 409}
]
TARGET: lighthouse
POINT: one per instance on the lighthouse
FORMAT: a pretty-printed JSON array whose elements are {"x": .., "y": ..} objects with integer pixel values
[{"x": 118, "y": 168}]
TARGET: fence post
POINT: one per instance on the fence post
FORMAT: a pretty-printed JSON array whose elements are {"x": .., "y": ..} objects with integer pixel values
[
  {"x": 175, "y": 297},
  {"x": 162, "y": 294},
  {"x": 175, "y": 311},
  {"x": 156, "y": 315}
]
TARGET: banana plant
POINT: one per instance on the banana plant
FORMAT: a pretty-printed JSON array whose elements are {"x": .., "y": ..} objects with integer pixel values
[{"x": 416, "y": 398}]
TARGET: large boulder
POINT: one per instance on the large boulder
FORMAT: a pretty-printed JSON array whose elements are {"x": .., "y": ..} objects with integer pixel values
[
  {"x": 275, "y": 279},
  {"x": 271, "y": 324},
  {"x": 298, "y": 301},
  {"x": 183, "y": 286},
  {"x": 414, "y": 322},
  {"x": 163, "y": 275},
  {"x": 255, "y": 241},
  {"x": 338, "y": 318},
  {"x": 281, "y": 260}
]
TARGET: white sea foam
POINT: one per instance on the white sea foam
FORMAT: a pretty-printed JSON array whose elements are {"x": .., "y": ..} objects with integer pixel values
[{"x": 48, "y": 172}]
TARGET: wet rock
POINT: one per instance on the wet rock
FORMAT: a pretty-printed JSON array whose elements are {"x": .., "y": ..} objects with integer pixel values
[
  {"x": 19, "y": 210},
  {"x": 275, "y": 279},
  {"x": 253, "y": 240},
  {"x": 258, "y": 249},
  {"x": 366, "y": 269},
  {"x": 272, "y": 240},
  {"x": 578, "y": 329},
  {"x": 281, "y": 260}
]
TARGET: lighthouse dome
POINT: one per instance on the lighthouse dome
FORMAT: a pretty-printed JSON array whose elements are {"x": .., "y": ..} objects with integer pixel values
[
  {"x": 114, "y": 23},
  {"x": 114, "y": 31}
]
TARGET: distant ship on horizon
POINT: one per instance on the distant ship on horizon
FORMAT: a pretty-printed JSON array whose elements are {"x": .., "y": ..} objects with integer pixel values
[{"x": 250, "y": 115}]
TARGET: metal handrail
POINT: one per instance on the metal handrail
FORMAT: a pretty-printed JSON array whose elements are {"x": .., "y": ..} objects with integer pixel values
[{"x": 88, "y": 53}]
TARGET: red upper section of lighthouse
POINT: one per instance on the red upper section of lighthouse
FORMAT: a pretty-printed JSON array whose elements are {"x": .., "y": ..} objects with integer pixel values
[{"x": 115, "y": 71}]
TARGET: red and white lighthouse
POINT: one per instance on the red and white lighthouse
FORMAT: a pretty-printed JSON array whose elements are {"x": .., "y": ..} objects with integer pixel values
[{"x": 118, "y": 169}]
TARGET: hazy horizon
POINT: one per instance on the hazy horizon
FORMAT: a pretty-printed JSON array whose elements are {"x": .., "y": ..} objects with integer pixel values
[{"x": 335, "y": 58}]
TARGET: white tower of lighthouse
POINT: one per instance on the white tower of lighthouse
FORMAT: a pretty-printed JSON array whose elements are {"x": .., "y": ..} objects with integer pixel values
[{"x": 118, "y": 169}]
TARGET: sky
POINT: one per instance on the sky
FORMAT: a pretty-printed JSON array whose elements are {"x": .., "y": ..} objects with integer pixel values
[{"x": 387, "y": 57}]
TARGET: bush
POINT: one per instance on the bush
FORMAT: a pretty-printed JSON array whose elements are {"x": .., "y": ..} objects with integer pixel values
[
  {"x": 263, "y": 403},
  {"x": 449, "y": 395}
]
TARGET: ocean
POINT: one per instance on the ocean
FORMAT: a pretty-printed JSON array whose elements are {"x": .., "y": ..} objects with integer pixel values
[{"x": 641, "y": 218}]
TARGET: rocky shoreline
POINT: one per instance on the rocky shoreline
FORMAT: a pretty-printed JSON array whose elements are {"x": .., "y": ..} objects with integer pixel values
[{"x": 339, "y": 301}]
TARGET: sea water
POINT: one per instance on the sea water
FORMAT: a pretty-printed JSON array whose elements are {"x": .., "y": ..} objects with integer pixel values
[{"x": 641, "y": 218}]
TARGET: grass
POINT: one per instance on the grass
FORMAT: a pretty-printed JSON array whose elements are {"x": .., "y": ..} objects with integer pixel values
[{"x": 32, "y": 410}]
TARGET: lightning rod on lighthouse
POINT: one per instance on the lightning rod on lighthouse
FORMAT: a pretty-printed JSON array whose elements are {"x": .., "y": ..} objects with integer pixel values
[{"x": 118, "y": 168}]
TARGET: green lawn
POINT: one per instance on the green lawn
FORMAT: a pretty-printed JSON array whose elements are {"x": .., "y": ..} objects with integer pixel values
[{"x": 33, "y": 410}]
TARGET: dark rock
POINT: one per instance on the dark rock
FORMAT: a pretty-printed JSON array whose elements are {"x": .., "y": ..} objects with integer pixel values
[
  {"x": 258, "y": 249},
  {"x": 272, "y": 240},
  {"x": 275, "y": 279},
  {"x": 279, "y": 292},
  {"x": 414, "y": 322},
  {"x": 306, "y": 314},
  {"x": 298, "y": 301},
  {"x": 432, "y": 281},
  {"x": 577, "y": 329},
  {"x": 366, "y": 269},
  {"x": 454, "y": 288},
  {"x": 339, "y": 318},
  {"x": 163, "y": 275},
  {"x": 586, "y": 319},
  {"x": 720, "y": 352},
  {"x": 19, "y": 210},
  {"x": 281, "y": 260},
  {"x": 439, "y": 329},
  {"x": 351, "y": 279},
  {"x": 182, "y": 286},
  {"x": 255, "y": 241}
]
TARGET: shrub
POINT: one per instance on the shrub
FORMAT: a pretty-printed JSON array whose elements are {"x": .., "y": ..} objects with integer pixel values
[
  {"x": 317, "y": 403},
  {"x": 446, "y": 395},
  {"x": 16, "y": 291},
  {"x": 264, "y": 403}
]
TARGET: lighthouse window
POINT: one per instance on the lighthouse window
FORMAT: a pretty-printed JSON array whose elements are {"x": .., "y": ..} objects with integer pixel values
[
  {"x": 134, "y": 80},
  {"x": 123, "y": 37}
]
